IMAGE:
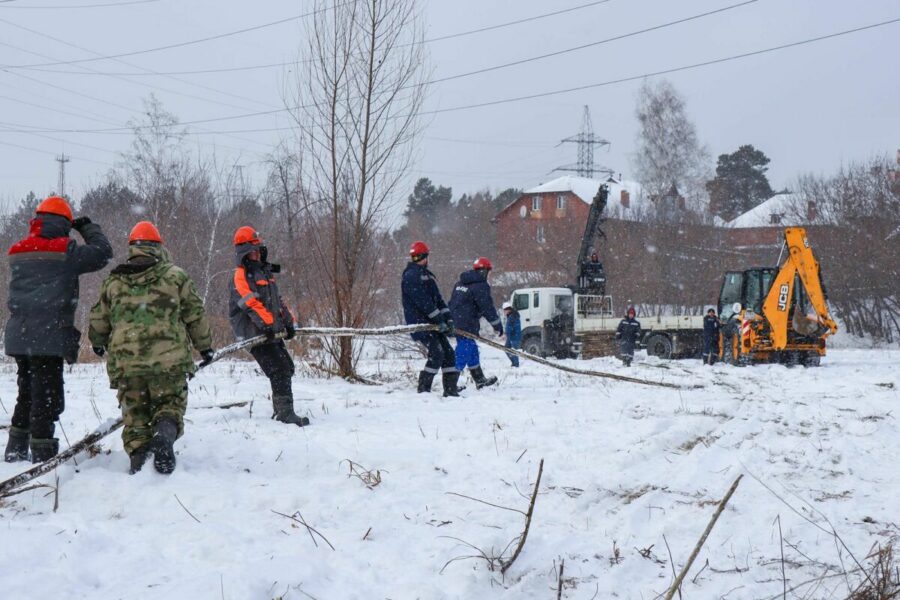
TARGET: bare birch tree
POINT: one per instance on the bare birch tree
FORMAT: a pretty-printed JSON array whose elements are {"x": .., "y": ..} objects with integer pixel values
[
  {"x": 357, "y": 104},
  {"x": 669, "y": 152}
]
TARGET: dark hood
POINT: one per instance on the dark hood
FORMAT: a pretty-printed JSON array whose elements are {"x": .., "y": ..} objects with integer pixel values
[
  {"x": 242, "y": 250},
  {"x": 473, "y": 276},
  {"x": 50, "y": 226},
  {"x": 142, "y": 258}
]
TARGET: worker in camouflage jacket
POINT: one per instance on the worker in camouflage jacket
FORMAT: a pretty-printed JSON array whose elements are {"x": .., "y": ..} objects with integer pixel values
[
  {"x": 41, "y": 333},
  {"x": 146, "y": 320},
  {"x": 256, "y": 308}
]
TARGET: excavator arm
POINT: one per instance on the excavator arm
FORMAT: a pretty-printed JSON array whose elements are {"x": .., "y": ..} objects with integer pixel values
[{"x": 800, "y": 264}]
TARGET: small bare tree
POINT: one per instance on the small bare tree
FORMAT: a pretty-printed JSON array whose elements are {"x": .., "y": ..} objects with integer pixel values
[{"x": 357, "y": 104}]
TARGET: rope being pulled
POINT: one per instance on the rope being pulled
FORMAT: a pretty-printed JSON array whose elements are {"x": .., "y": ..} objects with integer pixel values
[{"x": 114, "y": 424}]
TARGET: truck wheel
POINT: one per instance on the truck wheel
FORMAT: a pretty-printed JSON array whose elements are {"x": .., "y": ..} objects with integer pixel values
[
  {"x": 532, "y": 345},
  {"x": 660, "y": 346},
  {"x": 791, "y": 359}
]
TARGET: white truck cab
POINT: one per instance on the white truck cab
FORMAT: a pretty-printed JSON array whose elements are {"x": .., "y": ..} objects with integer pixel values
[{"x": 537, "y": 305}]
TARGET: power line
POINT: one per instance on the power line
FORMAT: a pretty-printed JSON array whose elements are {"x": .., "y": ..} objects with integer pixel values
[
  {"x": 502, "y": 66},
  {"x": 592, "y": 44},
  {"x": 61, "y": 6},
  {"x": 289, "y": 63},
  {"x": 176, "y": 45},
  {"x": 525, "y": 97}
]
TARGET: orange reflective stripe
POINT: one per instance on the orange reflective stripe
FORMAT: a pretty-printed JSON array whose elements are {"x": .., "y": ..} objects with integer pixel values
[
  {"x": 248, "y": 297},
  {"x": 262, "y": 282}
]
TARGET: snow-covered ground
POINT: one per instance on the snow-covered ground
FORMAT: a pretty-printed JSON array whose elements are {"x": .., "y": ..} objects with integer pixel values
[{"x": 624, "y": 465}]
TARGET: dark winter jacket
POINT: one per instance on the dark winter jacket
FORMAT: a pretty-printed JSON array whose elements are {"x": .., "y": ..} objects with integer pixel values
[
  {"x": 629, "y": 334},
  {"x": 711, "y": 327},
  {"x": 471, "y": 300},
  {"x": 255, "y": 304},
  {"x": 422, "y": 300},
  {"x": 514, "y": 329},
  {"x": 43, "y": 286}
]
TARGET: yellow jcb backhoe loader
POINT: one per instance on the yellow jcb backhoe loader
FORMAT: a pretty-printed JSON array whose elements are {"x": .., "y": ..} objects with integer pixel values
[{"x": 776, "y": 314}]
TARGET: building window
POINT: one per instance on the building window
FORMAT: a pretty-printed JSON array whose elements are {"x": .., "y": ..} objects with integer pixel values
[
  {"x": 775, "y": 218},
  {"x": 523, "y": 211},
  {"x": 561, "y": 202},
  {"x": 540, "y": 235},
  {"x": 536, "y": 203}
]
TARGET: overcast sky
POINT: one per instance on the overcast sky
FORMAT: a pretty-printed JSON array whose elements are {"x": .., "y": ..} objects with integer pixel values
[{"x": 809, "y": 108}]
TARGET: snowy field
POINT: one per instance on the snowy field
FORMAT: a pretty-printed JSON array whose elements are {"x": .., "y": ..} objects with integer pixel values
[{"x": 624, "y": 466}]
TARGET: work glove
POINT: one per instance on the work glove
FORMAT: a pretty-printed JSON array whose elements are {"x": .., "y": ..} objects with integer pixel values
[
  {"x": 289, "y": 332},
  {"x": 207, "y": 356},
  {"x": 446, "y": 327},
  {"x": 98, "y": 350},
  {"x": 269, "y": 333},
  {"x": 80, "y": 222},
  {"x": 499, "y": 332}
]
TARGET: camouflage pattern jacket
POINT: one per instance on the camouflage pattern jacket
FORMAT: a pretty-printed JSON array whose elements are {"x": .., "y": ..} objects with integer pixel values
[{"x": 147, "y": 317}]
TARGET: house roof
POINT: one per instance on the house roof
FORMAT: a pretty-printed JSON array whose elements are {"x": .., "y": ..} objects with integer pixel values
[
  {"x": 785, "y": 205},
  {"x": 586, "y": 188}
]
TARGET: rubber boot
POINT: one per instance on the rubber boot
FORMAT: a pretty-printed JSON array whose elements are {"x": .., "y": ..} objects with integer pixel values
[
  {"x": 425, "y": 381},
  {"x": 284, "y": 411},
  {"x": 17, "y": 446},
  {"x": 43, "y": 450},
  {"x": 451, "y": 387},
  {"x": 138, "y": 458},
  {"x": 165, "y": 430},
  {"x": 480, "y": 380}
]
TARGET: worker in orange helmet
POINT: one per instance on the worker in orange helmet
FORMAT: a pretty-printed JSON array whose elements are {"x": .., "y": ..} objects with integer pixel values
[
  {"x": 257, "y": 308},
  {"x": 41, "y": 333},
  {"x": 146, "y": 320}
]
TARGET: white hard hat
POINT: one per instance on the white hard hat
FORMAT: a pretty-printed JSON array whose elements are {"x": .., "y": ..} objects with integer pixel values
[
  {"x": 736, "y": 307},
  {"x": 506, "y": 305}
]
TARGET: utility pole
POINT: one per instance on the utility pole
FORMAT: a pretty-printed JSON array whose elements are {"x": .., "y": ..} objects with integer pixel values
[
  {"x": 62, "y": 159},
  {"x": 586, "y": 140}
]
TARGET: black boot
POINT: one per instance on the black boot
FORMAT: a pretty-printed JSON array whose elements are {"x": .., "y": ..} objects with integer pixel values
[
  {"x": 138, "y": 458},
  {"x": 284, "y": 411},
  {"x": 480, "y": 380},
  {"x": 43, "y": 450},
  {"x": 425, "y": 381},
  {"x": 451, "y": 381},
  {"x": 164, "y": 433},
  {"x": 17, "y": 446}
]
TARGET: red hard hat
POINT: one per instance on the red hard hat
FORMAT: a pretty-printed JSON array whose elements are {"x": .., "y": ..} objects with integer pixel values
[
  {"x": 419, "y": 248},
  {"x": 145, "y": 231},
  {"x": 246, "y": 235},
  {"x": 55, "y": 205},
  {"x": 482, "y": 263}
]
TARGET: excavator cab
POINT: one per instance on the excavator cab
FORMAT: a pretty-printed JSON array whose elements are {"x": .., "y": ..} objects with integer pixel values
[{"x": 782, "y": 314}]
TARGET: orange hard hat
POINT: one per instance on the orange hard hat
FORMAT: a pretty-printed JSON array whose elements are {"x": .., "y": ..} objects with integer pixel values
[
  {"x": 145, "y": 231},
  {"x": 246, "y": 235},
  {"x": 55, "y": 205}
]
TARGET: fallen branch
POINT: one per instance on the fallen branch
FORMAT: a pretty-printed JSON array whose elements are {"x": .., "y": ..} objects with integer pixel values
[
  {"x": 177, "y": 499},
  {"x": 298, "y": 518},
  {"x": 537, "y": 484},
  {"x": 676, "y": 585},
  {"x": 559, "y": 579}
]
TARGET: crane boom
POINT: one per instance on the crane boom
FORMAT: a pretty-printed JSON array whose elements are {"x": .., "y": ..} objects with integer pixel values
[{"x": 591, "y": 276}]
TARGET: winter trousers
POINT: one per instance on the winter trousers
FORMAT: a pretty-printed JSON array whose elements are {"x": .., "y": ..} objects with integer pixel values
[
  {"x": 278, "y": 366},
  {"x": 145, "y": 400},
  {"x": 512, "y": 357},
  {"x": 441, "y": 356},
  {"x": 467, "y": 354},
  {"x": 41, "y": 397},
  {"x": 710, "y": 348}
]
